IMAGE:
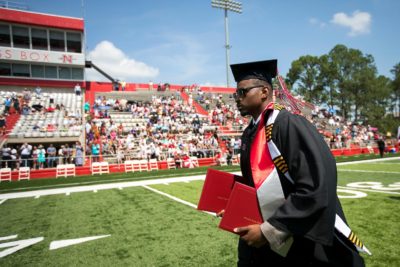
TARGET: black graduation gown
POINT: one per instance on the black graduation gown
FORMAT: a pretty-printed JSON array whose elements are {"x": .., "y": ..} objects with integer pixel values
[{"x": 311, "y": 203}]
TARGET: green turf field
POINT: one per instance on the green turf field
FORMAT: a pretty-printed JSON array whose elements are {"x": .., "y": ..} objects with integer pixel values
[{"x": 150, "y": 229}]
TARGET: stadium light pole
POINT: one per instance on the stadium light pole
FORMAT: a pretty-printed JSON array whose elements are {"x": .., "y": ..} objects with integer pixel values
[{"x": 227, "y": 5}]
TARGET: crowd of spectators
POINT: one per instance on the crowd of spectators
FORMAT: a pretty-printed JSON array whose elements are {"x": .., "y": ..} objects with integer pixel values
[
  {"x": 167, "y": 128},
  {"x": 163, "y": 127},
  {"x": 41, "y": 156},
  {"x": 340, "y": 133}
]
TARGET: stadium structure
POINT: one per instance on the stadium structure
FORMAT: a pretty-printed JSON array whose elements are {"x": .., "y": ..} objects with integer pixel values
[{"x": 42, "y": 67}]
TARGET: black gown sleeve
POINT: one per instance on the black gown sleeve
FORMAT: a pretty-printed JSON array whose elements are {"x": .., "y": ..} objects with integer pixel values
[{"x": 310, "y": 206}]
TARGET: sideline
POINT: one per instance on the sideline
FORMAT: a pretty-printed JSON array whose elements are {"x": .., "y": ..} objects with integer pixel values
[
  {"x": 351, "y": 170},
  {"x": 77, "y": 189},
  {"x": 365, "y": 161}
]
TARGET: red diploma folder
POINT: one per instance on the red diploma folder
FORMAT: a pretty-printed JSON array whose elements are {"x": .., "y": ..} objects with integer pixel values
[
  {"x": 216, "y": 190},
  {"x": 242, "y": 208}
]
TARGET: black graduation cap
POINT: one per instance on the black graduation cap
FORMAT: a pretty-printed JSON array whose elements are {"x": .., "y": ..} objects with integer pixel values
[{"x": 262, "y": 70}]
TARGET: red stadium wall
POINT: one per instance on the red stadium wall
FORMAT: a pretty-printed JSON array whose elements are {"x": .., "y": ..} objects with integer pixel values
[
  {"x": 85, "y": 170},
  {"x": 218, "y": 90},
  {"x": 41, "y": 83},
  {"x": 39, "y": 19},
  {"x": 118, "y": 168}
]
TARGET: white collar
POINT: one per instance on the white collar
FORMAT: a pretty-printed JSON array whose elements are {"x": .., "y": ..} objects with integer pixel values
[{"x": 254, "y": 122}]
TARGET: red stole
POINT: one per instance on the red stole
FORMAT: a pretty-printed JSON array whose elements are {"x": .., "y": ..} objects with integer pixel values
[{"x": 260, "y": 157}]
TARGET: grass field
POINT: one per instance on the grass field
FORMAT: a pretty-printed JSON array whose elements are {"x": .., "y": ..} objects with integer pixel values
[{"x": 150, "y": 229}]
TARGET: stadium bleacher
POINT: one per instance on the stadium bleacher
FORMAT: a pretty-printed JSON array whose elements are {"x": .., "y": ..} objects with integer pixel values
[{"x": 137, "y": 123}]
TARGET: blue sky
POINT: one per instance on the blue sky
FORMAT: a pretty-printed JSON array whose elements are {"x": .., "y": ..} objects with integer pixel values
[{"x": 182, "y": 42}]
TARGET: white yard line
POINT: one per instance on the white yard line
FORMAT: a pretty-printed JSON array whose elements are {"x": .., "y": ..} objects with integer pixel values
[
  {"x": 366, "y": 161},
  {"x": 3, "y": 238},
  {"x": 76, "y": 189},
  {"x": 175, "y": 198},
  {"x": 86, "y": 183},
  {"x": 3, "y": 200},
  {"x": 369, "y": 190},
  {"x": 349, "y": 170},
  {"x": 70, "y": 242},
  {"x": 171, "y": 197}
]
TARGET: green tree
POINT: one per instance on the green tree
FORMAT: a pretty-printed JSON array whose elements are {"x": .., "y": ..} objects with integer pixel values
[
  {"x": 353, "y": 78},
  {"x": 305, "y": 78},
  {"x": 327, "y": 79},
  {"x": 377, "y": 103},
  {"x": 396, "y": 89}
]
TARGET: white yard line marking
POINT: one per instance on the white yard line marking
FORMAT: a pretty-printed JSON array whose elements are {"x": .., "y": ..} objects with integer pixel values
[
  {"x": 69, "y": 242},
  {"x": 365, "y": 161},
  {"x": 96, "y": 182},
  {"x": 171, "y": 197},
  {"x": 14, "y": 246},
  {"x": 76, "y": 189},
  {"x": 350, "y": 193},
  {"x": 175, "y": 198},
  {"x": 38, "y": 196},
  {"x": 2, "y": 200},
  {"x": 369, "y": 190},
  {"x": 8, "y": 237},
  {"x": 349, "y": 170}
]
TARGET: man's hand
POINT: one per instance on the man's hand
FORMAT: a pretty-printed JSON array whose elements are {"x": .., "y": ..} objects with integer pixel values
[
  {"x": 252, "y": 235},
  {"x": 220, "y": 213}
]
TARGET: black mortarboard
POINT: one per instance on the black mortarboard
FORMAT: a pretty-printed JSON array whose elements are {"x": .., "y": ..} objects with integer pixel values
[{"x": 262, "y": 70}]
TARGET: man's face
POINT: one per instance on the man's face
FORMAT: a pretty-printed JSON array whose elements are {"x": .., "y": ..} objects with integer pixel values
[{"x": 249, "y": 96}]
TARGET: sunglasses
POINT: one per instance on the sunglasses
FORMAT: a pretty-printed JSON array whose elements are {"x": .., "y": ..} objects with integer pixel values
[{"x": 242, "y": 92}]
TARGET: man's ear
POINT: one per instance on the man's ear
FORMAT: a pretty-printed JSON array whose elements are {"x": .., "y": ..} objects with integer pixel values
[{"x": 266, "y": 91}]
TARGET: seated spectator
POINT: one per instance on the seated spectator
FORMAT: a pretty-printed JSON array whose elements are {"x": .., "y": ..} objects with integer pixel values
[
  {"x": 26, "y": 110},
  {"x": 51, "y": 108},
  {"x": 186, "y": 161},
  {"x": 3, "y": 124},
  {"x": 38, "y": 90},
  {"x": 51, "y": 127}
]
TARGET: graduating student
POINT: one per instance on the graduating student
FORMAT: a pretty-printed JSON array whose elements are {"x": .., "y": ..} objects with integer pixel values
[{"x": 285, "y": 158}]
